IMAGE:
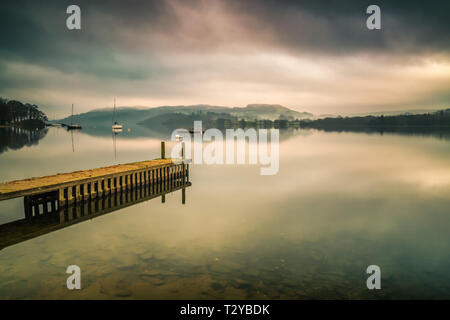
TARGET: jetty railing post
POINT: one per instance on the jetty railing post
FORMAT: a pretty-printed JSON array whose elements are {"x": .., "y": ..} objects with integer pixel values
[
  {"x": 182, "y": 150},
  {"x": 61, "y": 198},
  {"x": 183, "y": 196},
  {"x": 163, "y": 150},
  {"x": 113, "y": 185},
  {"x": 82, "y": 191},
  {"x": 77, "y": 193},
  {"x": 100, "y": 187},
  {"x": 93, "y": 193},
  {"x": 69, "y": 194},
  {"x": 183, "y": 173},
  {"x": 105, "y": 187}
]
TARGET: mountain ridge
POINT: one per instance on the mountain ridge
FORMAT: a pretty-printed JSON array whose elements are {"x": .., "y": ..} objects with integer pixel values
[{"x": 134, "y": 115}]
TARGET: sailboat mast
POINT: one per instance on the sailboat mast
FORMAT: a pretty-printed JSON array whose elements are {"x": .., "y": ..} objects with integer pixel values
[
  {"x": 71, "y": 118},
  {"x": 114, "y": 112}
]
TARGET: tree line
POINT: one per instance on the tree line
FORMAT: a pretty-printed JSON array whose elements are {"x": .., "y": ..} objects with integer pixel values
[
  {"x": 16, "y": 113},
  {"x": 439, "y": 119}
]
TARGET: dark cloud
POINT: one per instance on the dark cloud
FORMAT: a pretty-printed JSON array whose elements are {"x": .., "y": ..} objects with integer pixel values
[
  {"x": 331, "y": 27},
  {"x": 199, "y": 47},
  {"x": 33, "y": 30}
]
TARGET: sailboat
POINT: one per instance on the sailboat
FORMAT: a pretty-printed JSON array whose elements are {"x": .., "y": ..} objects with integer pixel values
[
  {"x": 116, "y": 127},
  {"x": 73, "y": 126}
]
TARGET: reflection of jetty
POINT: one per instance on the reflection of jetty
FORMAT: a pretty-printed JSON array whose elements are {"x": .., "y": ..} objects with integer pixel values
[
  {"x": 90, "y": 184},
  {"x": 38, "y": 222}
]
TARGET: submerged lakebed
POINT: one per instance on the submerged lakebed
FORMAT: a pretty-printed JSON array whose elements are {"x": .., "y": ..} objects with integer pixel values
[{"x": 339, "y": 203}]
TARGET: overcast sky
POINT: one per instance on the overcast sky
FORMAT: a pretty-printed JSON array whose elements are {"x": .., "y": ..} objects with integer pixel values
[{"x": 315, "y": 56}]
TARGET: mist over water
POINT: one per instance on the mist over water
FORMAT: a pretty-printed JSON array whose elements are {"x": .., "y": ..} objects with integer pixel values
[{"x": 339, "y": 203}]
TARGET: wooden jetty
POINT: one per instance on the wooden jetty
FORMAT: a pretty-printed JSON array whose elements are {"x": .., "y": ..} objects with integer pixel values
[
  {"x": 67, "y": 188},
  {"x": 38, "y": 224}
]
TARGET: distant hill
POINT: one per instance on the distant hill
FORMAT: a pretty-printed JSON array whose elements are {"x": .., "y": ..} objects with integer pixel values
[
  {"x": 170, "y": 116},
  {"x": 268, "y": 112}
]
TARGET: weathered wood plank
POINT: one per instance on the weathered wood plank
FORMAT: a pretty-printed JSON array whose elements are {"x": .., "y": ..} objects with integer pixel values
[{"x": 19, "y": 188}]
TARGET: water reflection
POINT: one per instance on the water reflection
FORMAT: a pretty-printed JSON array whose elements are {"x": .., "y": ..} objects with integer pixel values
[
  {"x": 16, "y": 138},
  {"x": 340, "y": 202},
  {"x": 436, "y": 132},
  {"x": 42, "y": 215}
]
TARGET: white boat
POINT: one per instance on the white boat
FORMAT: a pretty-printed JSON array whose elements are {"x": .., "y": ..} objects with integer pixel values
[
  {"x": 192, "y": 130},
  {"x": 116, "y": 127},
  {"x": 73, "y": 126}
]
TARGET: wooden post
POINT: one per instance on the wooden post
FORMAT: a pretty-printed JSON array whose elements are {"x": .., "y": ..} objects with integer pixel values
[
  {"x": 82, "y": 190},
  {"x": 93, "y": 193},
  {"x": 77, "y": 193},
  {"x": 163, "y": 150},
  {"x": 113, "y": 186},
  {"x": 106, "y": 188},
  {"x": 99, "y": 187},
  {"x": 183, "y": 173},
  {"x": 70, "y": 194},
  {"x": 61, "y": 198}
]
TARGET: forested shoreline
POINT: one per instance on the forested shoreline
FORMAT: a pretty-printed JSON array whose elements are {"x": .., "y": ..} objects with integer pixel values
[{"x": 14, "y": 113}]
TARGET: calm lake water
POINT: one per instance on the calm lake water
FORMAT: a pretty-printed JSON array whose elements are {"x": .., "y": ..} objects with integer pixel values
[{"x": 340, "y": 202}]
